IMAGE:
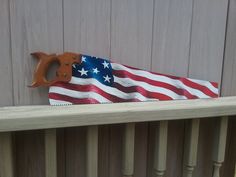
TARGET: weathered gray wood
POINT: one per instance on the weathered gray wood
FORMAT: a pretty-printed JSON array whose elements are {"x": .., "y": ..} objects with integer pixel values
[
  {"x": 229, "y": 70},
  {"x": 128, "y": 150},
  {"x": 175, "y": 148},
  {"x": 30, "y": 154},
  {"x": 229, "y": 85},
  {"x": 6, "y": 155},
  {"x": 38, "y": 117},
  {"x": 191, "y": 147},
  {"x": 86, "y": 30},
  {"x": 6, "y": 87},
  {"x": 131, "y": 32},
  {"x": 131, "y": 40},
  {"x": 207, "y": 39},
  {"x": 160, "y": 149},
  {"x": 92, "y": 152},
  {"x": 228, "y": 168},
  {"x": 235, "y": 171},
  {"x": 171, "y": 36},
  {"x": 75, "y": 148},
  {"x": 219, "y": 145},
  {"x": 51, "y": 153},
  {"x": 87, "y": 26},
  {"x": 103, "y": 150},
  {"x": 206, "y": 56},
  {"x": 170, "y": 55},
  {"x": 61, "y": 154},
  {"x": 35, "y": 26},
  {"x": 140, "y": 150},
  {"x": 115, "y": 154}
]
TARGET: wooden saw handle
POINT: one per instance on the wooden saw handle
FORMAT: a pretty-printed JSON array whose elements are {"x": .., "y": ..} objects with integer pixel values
[{"x": 64, "y": 72}]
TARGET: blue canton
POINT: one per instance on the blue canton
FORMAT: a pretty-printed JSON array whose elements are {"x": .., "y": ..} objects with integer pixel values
[{"x": 93, "y": 67}]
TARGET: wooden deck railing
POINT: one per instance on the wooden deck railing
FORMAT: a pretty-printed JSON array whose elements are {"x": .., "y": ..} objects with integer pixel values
[{"x": 52, "y": 117}]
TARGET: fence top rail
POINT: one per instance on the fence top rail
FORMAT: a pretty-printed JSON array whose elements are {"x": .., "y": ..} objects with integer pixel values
[{"x": 44, "y": 117}]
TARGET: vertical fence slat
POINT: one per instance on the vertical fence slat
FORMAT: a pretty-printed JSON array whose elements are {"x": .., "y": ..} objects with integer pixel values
[
  {"x": 128, "y": 150},
  {"x": 235, "y": 170},
  {"x": 51, "y": 153},
  {"x": 191, "y": 146},
  {"x": 160, "y": 149},
  {"x": 219, "y": 145},
  {"x": 6, "y": 155},
  {"x": 92, "y": 151}
]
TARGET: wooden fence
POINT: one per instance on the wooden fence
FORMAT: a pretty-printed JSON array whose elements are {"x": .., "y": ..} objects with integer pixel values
[
  {"x": 49, "y": 118},
  {"x": 188, "y": 38}
]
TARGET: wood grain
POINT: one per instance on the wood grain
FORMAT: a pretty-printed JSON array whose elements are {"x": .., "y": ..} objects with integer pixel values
[
  {"x": 7, "y": 158},
  {"x": 92, "y": 152},
  {"x": 6, "y": 87},
  {"x": 103, "y": 150},
  {"x": 205, "y": 144},
  {"x": 170, "y": 55},
  {"x": 30, "y": 154},
  {"x": 175, "y": 148},
  {"x": 131, "y": 32},
  {"x": 190, "y": 146},
  {"x": 35, "y": 26},
  {"x": 229, "y": 70},
  {"x": 131, "y": 40},
  {"x": 87, "y": 27},
  {"x": 43, "y": 117},
  {"x": 51, "y": 153},
  {"x": 219, "y": 147},
  {"x": 87, "y": 30},
  {"x": 206, "y": 58},
  {"x": 115, "y": 152},
  {"x": 61, "y": 154},
  {"x": 207, "y": 39},
  {"x": 229, "y": 88},
  {"x": 140, "y": 150},
  {"x": 171, "y": 36},
  {"x": 229, "y": 168},
  {"x": 128, "y": 150},
  {"x": 160, "y": 153},
  {"x": 75, "y": 149}
]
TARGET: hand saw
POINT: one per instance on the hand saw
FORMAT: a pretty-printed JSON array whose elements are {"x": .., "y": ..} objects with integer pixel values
[{"x": 84, "y": 79}]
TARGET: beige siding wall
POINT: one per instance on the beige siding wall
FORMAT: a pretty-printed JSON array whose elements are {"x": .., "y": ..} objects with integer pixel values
[{"x": 179, "y": 37}]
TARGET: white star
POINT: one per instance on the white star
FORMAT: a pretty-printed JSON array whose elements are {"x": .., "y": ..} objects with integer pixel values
[
  {"x": 107, "y": 78},
  {"x": 74, "y": 66},
  {"x": 95, "y": 70},
  {"x": 83, "y": 59},
  {"x": 105, "y": 64},
  {"x": 83, "y": 72}
]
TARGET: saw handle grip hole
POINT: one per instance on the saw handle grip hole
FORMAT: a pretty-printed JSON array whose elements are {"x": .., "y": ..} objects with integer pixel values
[{"x": 51, "y": 73}]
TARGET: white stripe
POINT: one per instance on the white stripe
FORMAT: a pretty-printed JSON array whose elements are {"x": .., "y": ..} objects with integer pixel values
[
  {"x": 77, "y": 94},
  {"x": 206, "y": 84},
  {"x": 155, "y": 77},
  {"x": 58, "y": 102},
  {"x": 127, "y": 82},
  {"x": 108, "y": 89}
]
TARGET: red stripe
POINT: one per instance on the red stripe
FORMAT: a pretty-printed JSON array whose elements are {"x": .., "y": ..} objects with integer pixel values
[
  {"x": 142, "y": 91},
  {"x": 214, "y": 84},
  {"x": 93, "y": 88},
  {"x": 72, "y": 100},
  {"x": 202, "y": 88},
  {"x": 207, "y": 91},
  {"x": 126, "y": 74}
]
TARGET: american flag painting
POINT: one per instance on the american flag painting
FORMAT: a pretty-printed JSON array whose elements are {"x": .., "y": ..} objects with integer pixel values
[{"x": 98, "y": 80}]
